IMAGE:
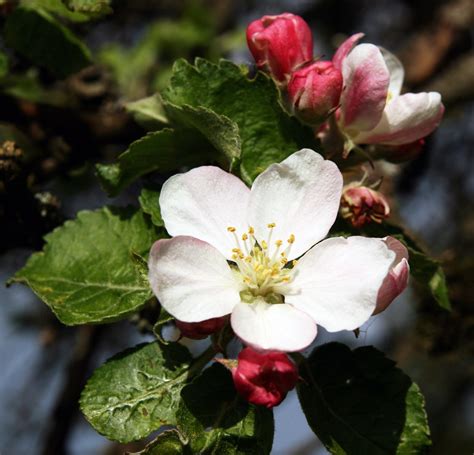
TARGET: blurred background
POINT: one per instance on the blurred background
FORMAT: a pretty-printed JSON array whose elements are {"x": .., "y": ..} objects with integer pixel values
[{"x": 63, "y": 126}]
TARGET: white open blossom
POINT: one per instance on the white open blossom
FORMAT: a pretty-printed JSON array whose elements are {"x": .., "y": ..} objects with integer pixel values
[{"x": 254, "y": 254}]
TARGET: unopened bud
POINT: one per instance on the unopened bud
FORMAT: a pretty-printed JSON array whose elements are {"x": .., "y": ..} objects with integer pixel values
[
  {"x": 397, "y": 278},
  {"x": 264, "y": 378},
  {"x": 314, "y": 91},
  {"x": 361, "y": 205},
  {"x": 280, "y": 44},
  {"x": 202, "y": 329}
]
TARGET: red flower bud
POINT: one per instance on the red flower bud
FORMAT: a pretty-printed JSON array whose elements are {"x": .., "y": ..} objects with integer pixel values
[
  {"x": 202, "y": 329},
  {"x": 401, "y": 153},
  {"x": 314, "y": 91},
  {"x": 397, "y": 278},
  {"x": 360, "y": 205},
  {"x": 264, "y": 379},
  {"x": 280, "y": 44}
]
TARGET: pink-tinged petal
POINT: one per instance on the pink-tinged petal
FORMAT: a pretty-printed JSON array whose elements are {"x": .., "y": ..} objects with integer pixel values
[
  {"x": 406, "y": 118},
  {"x": 272, "y": 327},
  {"x": 397, "y": 73},
  {"x": 203, "y": 203},
  {"x": 344, "y": 49},
  {"x": 301, "y": 195},
  {"x": 337, "y": 281},
  {"x": 366, "y": 81},
  {"x": 397, "y": 279},
  {"x": 191, "y": 279}
]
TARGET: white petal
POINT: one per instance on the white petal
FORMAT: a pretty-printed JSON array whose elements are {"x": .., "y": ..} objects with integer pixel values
[
  {"x": 301, "y": 195},
  {"x": 338, "y": 280},
  {"x": 406, "y": 118},
  {"x": 397, "y": 73},
  {"x": 273, "y": 327},
  {"x": 191, "y": 279},
  {"x": 202, "y": 203}
]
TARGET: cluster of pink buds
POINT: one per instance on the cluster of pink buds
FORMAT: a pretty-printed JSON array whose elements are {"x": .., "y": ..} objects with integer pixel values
[
  {"x": 283, "y": 46},
  {"x": 357, "y": 93}
]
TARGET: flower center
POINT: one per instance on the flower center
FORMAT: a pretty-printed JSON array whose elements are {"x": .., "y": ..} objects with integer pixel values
[{"x": 264, "y": 271}]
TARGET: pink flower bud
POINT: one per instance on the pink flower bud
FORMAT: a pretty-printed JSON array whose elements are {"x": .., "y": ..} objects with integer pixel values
[
  {"x": 397, "y": 278},
  {"x": 280, "y": 44},
  {"x": 314, "y": 91},
  {"x": 202, "y": 329},
  {"x": 401, "y": 153},
  {"x": 360, "y": 205},
  {"x": 264, "y": 379}
]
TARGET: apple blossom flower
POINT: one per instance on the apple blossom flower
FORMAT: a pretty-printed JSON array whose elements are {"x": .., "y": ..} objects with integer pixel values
[
  {"x": 201, "y": 330},
  {"x": 314, "y": 91},
  {"x": 264, "y": 379},
  {"x": 235, "y": 251},
  {"x": 360, "y": 205},
  {"x": 280, "y": 44},
  {"x": 397, "y": 279},
  {"x": 372, "y": 109}
]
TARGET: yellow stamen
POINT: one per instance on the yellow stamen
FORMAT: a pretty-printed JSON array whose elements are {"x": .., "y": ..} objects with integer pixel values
[
  {"x": 251, "y": 230},
  {"x": 264, "y": 245},
  {"x": 271, "y": 225},
  {"x": 291, "y": 239},
  {"x": 278, "y": 243},
  {"x": 245, "y": 237},
  {"x": 231, "y": 229}
]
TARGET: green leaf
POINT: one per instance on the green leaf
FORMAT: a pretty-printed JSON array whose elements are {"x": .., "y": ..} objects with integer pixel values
[
  {"x": 149, "y": 202},
  {"x": 56, "y": 7},
  {"x": 92, "y": 8},
  {"x": 215, "y": 420},
  {"x": 429, "y": 273},
  {"x": 137, "y": 391},
  {"x": 85, "y": 272},
  {"x": 3, "y": 64},
  {"x": 148, "y": 59},
  {"x": 267, "y": 133},
  {"x": 148, "y": 112},
  {"x": 36, "y": 35},
  {"x": 165, "y": 151},
  {"x": 359, "y": 402},
  {"x": 167, "y": 443},
  {"x": 27, "y": 86},
  {"x": 219, "y": 130}
]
